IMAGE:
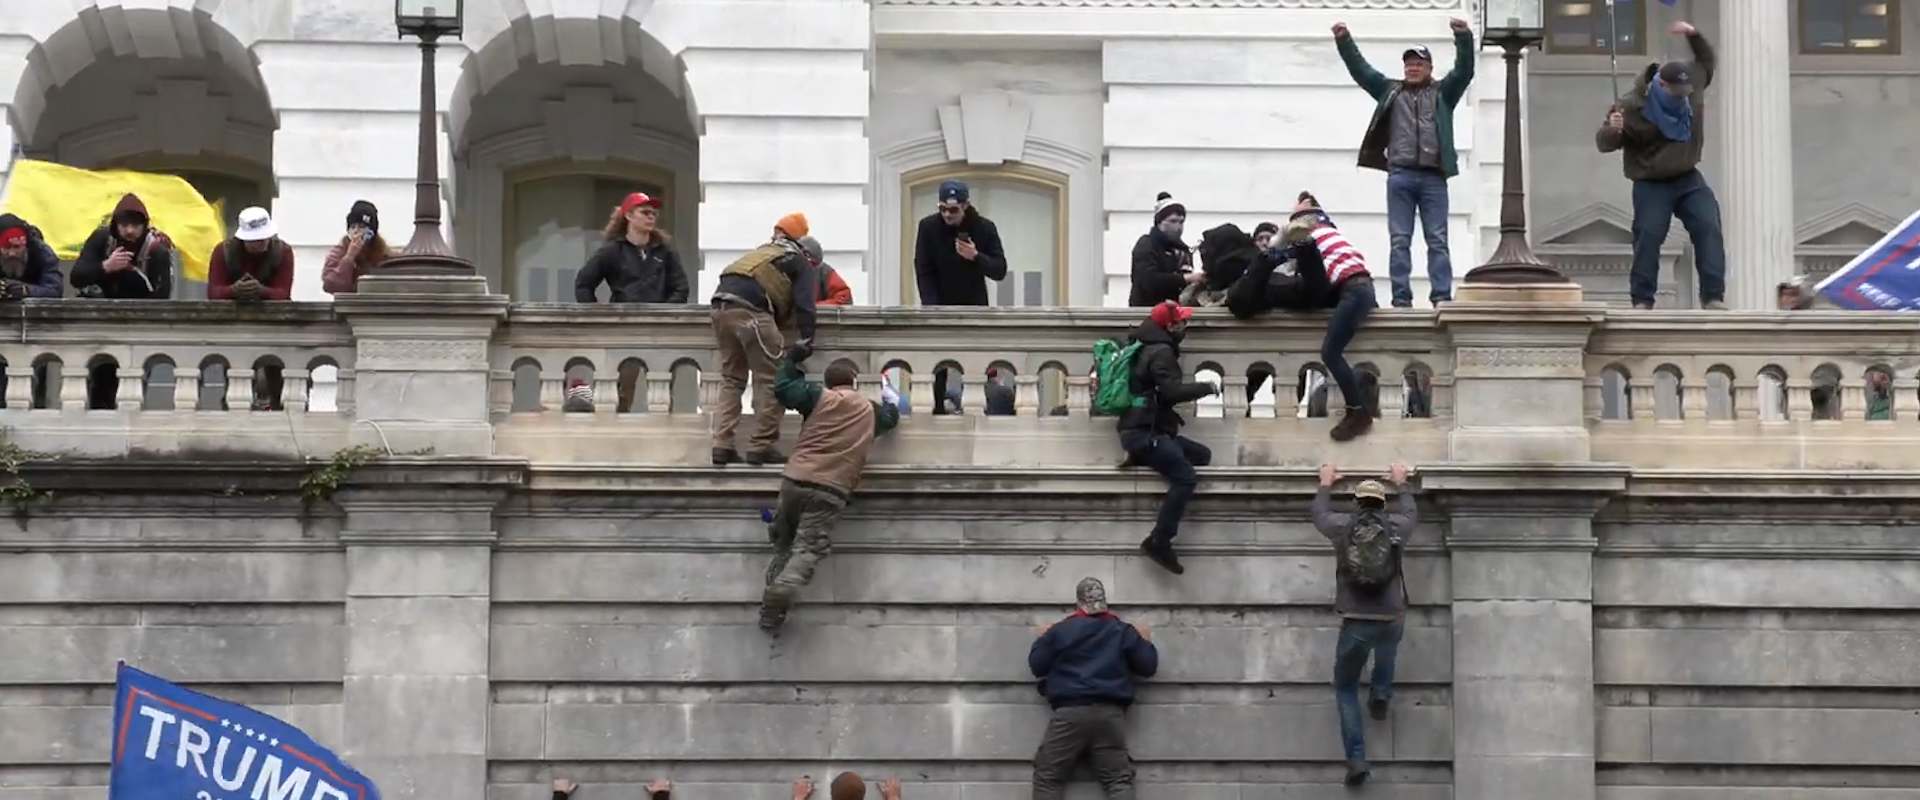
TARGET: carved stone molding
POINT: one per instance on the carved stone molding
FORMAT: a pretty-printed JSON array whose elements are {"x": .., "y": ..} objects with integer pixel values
[
  {"x": 1519, "y": 362},
  {"x": 429, "y": 355},
  {"x": 1335, "y": 4}
]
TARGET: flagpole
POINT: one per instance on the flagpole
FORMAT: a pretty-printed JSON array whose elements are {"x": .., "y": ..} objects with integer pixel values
[{"x": 1613, "y": 49}]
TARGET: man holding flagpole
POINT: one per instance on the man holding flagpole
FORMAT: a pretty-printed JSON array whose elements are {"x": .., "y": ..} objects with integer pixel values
[{"x": 1660, "y": 128}]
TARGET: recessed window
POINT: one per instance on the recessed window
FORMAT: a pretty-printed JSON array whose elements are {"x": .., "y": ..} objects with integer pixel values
[
  {"x": 557, "y": 218},
  {"x": 1850, "y": 26},
  {"x": 1026, "y": 204},
  {"x": 1591, "y": 26}
]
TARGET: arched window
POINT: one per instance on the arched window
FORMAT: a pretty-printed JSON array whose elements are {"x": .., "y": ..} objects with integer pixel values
[
  {"x": 556, "y": 217},
  {"x": 1027, "y": 204}
]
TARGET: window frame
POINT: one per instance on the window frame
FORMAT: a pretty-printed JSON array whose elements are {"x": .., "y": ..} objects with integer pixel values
[
  {"x": 618, "y": 169},
  {"x": 1808, "y": 48},
  {"x": 973, "y": 173},
  {"x": 1638, "y": 27}
]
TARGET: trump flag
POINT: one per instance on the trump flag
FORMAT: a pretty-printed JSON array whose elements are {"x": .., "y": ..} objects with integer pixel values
[
  {"x": 1884, "y": 278},
  {"x": 171, "y": 743}
]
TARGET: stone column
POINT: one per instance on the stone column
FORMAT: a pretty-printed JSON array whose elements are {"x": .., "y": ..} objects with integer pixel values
[
  {"x": 1753, "y": 127},
  {"x": 415, "y": 696},
  {"x": 421, "y": 366},
  {"x": 1519, "y": 373}
]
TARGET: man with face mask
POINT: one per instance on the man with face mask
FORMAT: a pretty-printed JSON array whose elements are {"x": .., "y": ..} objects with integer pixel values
[
  {"x": 126, "y": 258},
  {"x": 28, "y": 266},
  {"x": 1411, "y": 138},
  {"x": 1162, "y": 264},
  {"x": 1660, "y": 129},
  {"x": 1150, "y": 432}
]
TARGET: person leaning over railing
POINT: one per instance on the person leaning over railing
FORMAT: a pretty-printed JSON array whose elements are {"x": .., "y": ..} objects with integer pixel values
[
  {"x": 762, "y": 296},
  {"x": 253, "y": 264},
  {"x": 1350, "y": 297},
  {"x": 127, "y": 258},
  {"x": 359, "y": 252},
  {"x": 28, "y": 265},
  {"x": 833, "y": 289}
]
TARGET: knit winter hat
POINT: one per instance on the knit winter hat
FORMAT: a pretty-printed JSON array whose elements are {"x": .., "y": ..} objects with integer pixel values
[
  {"x": 1265, "y": 227},
  {"x": 13, "y": 237},
  {"x": 1090, "y": 596},
  {"x": 1164, "y": 206},
  {"x": 363, "y": 213},
  {"x": 794, "y": 225}
]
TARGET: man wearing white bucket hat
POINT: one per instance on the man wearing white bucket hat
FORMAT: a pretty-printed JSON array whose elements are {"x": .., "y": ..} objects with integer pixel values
[{"x": 253, "y": 264}]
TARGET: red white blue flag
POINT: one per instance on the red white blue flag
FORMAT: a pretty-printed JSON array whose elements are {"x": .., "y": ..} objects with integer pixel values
[{"x": 1884, "y": 278}]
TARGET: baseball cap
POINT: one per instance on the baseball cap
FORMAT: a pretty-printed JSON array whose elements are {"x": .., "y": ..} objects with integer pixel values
[
  {"x": 1168, "y": 313},
  {"x": 1677, "y": 73},
  {"x": 1418, "y": 51},
  {"x": 1370, "y": 490},
  {"x": 954, "y": 192},
  {"x": 255, "y": 225},
  {"x": 636, "y": 200},
  {"x": 1090, "y": 596}
]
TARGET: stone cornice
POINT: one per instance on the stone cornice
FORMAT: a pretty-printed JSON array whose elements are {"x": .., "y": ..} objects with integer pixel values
[{"x": 1275, "y": 4}]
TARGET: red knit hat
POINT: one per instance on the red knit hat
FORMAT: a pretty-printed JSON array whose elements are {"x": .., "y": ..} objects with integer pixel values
[
  {"x": 636, "y": 200},
  {"x": 1168, "y": 313},
  {"x": 12, "y": 237}
]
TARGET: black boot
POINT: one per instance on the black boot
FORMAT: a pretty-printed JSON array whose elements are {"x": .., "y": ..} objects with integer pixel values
[
  {"x": 1355, "y": 424},
  {"x": 1377, "y": 707},
  {"x": 767, "y": 456},
  {"x": 1357, "y": 772},
  {"x": 1161, "y": 552},
  {"x": 723, "y": 456}
]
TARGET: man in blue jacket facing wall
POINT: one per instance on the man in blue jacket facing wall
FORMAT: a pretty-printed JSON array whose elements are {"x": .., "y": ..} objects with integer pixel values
[{"x": 1087, "y": 664}]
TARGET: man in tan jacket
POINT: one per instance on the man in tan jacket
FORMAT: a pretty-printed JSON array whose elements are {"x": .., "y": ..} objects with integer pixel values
[{"x": 838, "y": 430}]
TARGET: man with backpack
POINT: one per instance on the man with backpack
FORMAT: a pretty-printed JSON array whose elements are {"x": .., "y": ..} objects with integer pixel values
[
  {"x": 1371, "y": 598},
  {"x": 1143, "y": 395}
]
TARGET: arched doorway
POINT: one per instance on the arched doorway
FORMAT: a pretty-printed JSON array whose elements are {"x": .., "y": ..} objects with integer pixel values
[
  {"x": 159, "y": 90},
  {"x": 547, "y": 140}
]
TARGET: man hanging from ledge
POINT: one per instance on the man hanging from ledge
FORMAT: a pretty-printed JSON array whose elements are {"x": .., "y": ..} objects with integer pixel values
[
  {"x": 838, "y": 430},
  {"x": 1150, "y": 431},
  {"x": 1371, "y": 598},
  {"x": 762, "y": 297}
]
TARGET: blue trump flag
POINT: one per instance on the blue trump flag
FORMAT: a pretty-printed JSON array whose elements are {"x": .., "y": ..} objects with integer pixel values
[
  {"x": 171, "y": 743},
  {"x": 1884, "y": 278}
]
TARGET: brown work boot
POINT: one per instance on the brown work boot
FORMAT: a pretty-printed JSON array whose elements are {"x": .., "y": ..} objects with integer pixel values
[
  {"x": 723, "y": 456},
  {"x": 767, "y": 456},
  {"x": 1356, "y": 423}
]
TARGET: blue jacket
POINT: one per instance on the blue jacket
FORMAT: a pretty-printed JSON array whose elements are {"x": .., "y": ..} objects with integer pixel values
[{"x": 1091, "y": 659}]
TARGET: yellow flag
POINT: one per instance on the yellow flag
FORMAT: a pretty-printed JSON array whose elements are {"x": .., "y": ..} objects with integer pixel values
[{"x": 68, "y": 204}]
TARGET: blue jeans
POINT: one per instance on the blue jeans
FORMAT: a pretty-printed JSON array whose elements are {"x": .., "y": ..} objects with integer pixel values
[
  {"x": 1174, "y": 457},
  {"x": 1655, "y": 204},
  {"x": 1426, "y": 190},
  {"x": 1358, "y": 638},
  {"x": 1354, "y": 302}
]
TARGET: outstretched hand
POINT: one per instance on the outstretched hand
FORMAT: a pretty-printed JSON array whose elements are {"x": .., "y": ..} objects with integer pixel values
[
  {"x": 1398, "y": 473},
  {"x": 1340, "y": 30},
  {"x": 800, "y": 351},
  {"x": 1328, "y": 475},
  {"x": 1458, "y": 25},
  {"x": 890, "y": 789},
  {"x": 802, "y": 787},
  {"x": 1683, "y": 28}
]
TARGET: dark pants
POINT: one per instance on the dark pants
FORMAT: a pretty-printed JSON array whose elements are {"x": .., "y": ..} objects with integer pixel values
[
  {"x": 1655, "y": 204},
  {"x": 1354, "y": 302},
  {"x": 1098, "y": 732},
  {"x": 1358, "y": 638},
  {"x": 1174, "y": 457},
  {"x": 1424, "y": 190}
]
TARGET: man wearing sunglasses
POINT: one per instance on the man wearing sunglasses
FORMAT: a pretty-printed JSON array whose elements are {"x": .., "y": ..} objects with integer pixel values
[{"x": 954, "y": 253}]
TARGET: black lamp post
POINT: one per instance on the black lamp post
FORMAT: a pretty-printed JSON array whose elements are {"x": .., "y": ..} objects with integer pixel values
[
  {"x": 1514, "y": 25},
  {"x": 428, "y": 252}
]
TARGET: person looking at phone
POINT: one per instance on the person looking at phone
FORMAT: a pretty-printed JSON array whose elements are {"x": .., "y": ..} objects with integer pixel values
[
  {"x": 127, "y": 258},
  {"x": 360, "y": 251},
  {"x": 957, "y": 251},
  {"x": 253, "y": 264}
]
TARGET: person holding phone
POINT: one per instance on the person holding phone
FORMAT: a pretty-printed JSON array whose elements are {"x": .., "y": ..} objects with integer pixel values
[
  {"x": 956, "y": 251},
  {"x": 253, "y": 264},
  {"x": 127, "y": 258},
  {"x": 360, "y": 251}
]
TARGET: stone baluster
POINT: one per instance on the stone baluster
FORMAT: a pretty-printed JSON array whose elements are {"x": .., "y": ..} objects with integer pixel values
[
  {"x": 1901, "y": 387},
  {"x": 606, "y": 392},
  {"x": 920, "y": 392},
  {"x": 293, "y": 389},
  {"x": 868, "y": 385},
  {"x": 186, "y": 388},
  {"x": 553, "y": 391},
  {"x": 1079, "y": 396},
  {"x": 499, "y": 392},
  {"x": 1393, "y": 397},
  {"x": 1746, "y": 398},
  {"x": 72, "y": 379},
  {"x": 710, "y": 389},
  {"x": 973, "y": 392},
  {"x": 239, "y": 389},
  {"x": 1233, "y": 397},
  {"x": 1799, "y": 399},
  {"x": 659, "y": 391},
  {"x": 19, "y": 386},
  {"x": 130, "y": 395},
  {"x": 343, "y": 393},
  {"x": 1640, "y": 401},
  {"x": 1026, "y": 396},
  {"x": 1595, "y": 394},
  {"x": 1443, "y": 396},
  {"x": 1693, "y": 398}
]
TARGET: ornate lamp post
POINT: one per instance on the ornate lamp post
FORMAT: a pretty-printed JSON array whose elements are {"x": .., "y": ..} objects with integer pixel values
[
  {"x": 1514, "y": 25},
  {"x": 428, "y": 252}
]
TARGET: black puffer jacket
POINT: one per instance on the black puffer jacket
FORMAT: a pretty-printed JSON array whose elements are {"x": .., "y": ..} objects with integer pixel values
[
  {"x": 633, "y": 274},
  {"x": 1158, "y": 379},
  {"x": 1160, "y": 265}
]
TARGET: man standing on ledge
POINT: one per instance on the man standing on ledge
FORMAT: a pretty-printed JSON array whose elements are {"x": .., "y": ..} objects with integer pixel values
[
  {"x": 1660, "y": 127},
  {"x": 761, "y": 299},
  {"x": 1411, "y": 137}
]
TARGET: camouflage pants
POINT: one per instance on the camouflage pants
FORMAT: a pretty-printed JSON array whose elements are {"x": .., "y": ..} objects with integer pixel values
[{"x": 800, "y": 534}]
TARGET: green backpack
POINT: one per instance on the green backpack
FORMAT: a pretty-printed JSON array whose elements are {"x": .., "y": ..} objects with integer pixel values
[{"x": 1113, "y": 368}]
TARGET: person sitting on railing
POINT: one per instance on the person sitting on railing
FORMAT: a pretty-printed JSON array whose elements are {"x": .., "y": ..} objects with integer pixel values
[
  {"x": 28, "y": 265},
  {"x": 762, "y": 297},
  {"x": 359, "y": 252},
  {"x": 1162, "y": 263},
  {"x": 1349, "y": 295},
  {"x": 127, "y": 258},
  {"x": 1150, "y": 432},
  {"x": 838, "y": 429},
  {"x": 253, "y": 264},
  {"x": 833, "y": 290},
  {"x": 638, "y": 263}
]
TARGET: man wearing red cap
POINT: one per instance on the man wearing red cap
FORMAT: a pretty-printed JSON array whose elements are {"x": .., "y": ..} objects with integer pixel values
[
  {"x": 1150, "y": 432},
  {"x": 764, "y": 299},
  {"x": 28, "y": 267},
  {"x": 638, "y": 262}
]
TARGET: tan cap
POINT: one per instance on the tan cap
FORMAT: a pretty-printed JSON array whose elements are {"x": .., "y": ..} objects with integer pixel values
[{"x": 1371, "y": 490}]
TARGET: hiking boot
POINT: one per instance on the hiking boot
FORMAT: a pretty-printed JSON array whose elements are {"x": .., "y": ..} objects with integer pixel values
[
  {"x": 1643, "y": 306},
  {"x": 1377, "y": 708},
  {"x": 774, "y": 603},
  {"x": 767, "y": 456},
  {"x": 723, "y": 456},
  {"x": 1357, "y": 771},
  {"x": 1356, "y": 423},
  {"x": 1162, "y": 553},
  {"x": 1714, "y": 305}
]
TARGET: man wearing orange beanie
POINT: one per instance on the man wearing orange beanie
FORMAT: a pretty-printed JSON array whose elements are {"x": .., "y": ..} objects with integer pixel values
[{"x": 764, "y": 298}]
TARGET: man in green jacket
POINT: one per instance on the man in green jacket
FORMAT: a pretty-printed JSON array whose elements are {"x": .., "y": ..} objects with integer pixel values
[{"x": 1411, "y": 138}]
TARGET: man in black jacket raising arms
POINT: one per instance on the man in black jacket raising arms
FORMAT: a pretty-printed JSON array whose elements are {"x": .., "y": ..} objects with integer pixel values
[
  {"x": 1087, "y": 664},
  {"x": 1150, "y": 433}
]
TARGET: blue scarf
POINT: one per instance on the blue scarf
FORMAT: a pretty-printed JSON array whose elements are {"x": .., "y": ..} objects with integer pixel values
[{"x": 1669, "y": 112}]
